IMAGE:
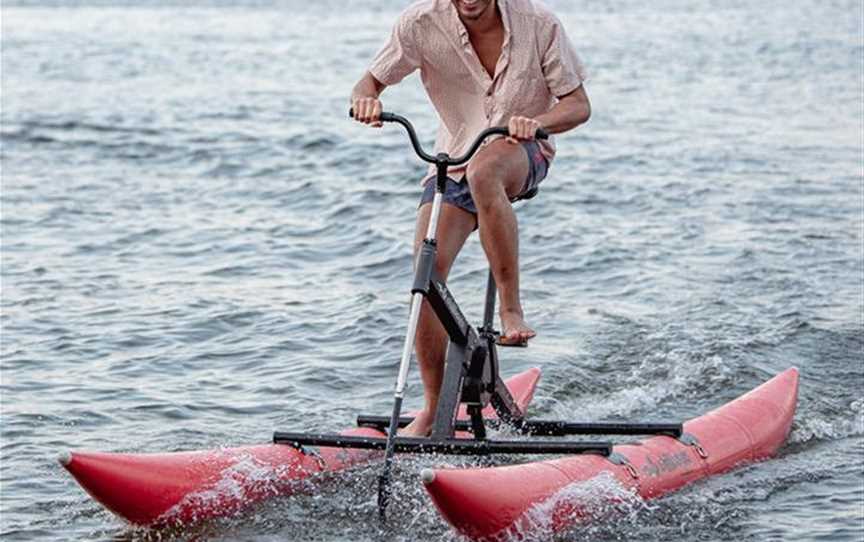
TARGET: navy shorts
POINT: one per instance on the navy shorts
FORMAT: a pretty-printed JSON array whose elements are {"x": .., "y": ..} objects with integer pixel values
[{"x": 458, "y": 193}]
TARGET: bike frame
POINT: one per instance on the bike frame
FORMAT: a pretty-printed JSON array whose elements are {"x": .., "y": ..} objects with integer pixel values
[{"x": 471, "y": 373}]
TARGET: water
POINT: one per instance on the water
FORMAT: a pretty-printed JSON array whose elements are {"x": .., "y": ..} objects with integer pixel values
[{"x": 198, "y": 248}]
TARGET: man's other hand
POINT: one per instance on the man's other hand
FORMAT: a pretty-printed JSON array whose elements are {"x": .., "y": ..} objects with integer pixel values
[{"x": 522, "y": 129}]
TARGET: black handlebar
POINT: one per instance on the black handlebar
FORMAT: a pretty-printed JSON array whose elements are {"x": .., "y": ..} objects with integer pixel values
[{"x": 426, "y": 157}]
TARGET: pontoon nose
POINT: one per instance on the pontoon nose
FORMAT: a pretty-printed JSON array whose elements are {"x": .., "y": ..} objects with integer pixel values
[
  {"x": 427, "y": 475},
  {"x": 65, "y": 458}
]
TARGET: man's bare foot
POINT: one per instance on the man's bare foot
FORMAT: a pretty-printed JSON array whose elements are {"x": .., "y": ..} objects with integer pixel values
[
  {"x": 514, "y": 330},
  {"x": 420, "y": 427}
]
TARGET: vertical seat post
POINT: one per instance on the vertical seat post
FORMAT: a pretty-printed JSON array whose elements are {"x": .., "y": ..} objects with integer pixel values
[{"x": 489, "y": 309}]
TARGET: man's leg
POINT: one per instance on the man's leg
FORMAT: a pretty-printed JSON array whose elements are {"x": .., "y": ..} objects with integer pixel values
[
  {"x": 454, "y": 227},
  {"x": 495, "y": 175}
]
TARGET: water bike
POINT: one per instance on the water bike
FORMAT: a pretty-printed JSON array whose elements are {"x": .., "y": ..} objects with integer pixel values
[{"x": 183, "y": 487}]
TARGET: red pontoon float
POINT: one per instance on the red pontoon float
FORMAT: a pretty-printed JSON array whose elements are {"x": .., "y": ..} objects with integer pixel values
[
  {"x": 747, "y": 429},
  {"x": 187, "y": 487}
]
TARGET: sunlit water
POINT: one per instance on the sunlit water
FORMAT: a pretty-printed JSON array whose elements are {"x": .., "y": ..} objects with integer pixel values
[{"x": 198, "y": 248}]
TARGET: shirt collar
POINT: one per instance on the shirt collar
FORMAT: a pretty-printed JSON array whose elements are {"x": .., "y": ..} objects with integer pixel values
[
  {"x": 463, "y": 32},
  {"x": 504, "y": 6}
]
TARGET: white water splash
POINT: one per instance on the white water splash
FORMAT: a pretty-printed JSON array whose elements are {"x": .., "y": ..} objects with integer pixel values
[
  {"x": 825, "y": 428},
  {"x": 667, "y": 375},
  {"x": 233, "y": 487},
  {"x": 579, "y": 502}
]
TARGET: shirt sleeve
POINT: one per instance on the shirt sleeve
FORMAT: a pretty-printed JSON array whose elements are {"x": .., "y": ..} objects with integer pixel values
[
  {"x": 562, "y": 66},
  {"x": 399, "y": 57}
]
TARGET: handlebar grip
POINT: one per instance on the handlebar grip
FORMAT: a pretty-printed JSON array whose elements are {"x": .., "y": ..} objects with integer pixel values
[
  {"x": 383, "y": 117},
  {"x": 541, "y": 134}
]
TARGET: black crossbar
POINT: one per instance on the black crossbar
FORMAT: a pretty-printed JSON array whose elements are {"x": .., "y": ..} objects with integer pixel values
[
  {"x": 558, "y": 428},
  {"x": 548, "y": 428},
  {"x": 382, "y": 422},
  {"x": 419, "y": 445}
]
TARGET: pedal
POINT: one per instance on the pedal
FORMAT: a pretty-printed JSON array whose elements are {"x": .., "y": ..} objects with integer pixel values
[
  {"x": 497, "y": 334},
  {"x": 523, "y": 344}
]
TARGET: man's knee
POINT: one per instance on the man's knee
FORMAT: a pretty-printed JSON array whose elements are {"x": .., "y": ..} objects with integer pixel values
[
  {"x": 486, "y": 180},
  {"x": 495, "y": 174}
]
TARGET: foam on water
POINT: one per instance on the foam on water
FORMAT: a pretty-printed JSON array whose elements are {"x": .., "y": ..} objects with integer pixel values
[
  {"x": 233, "y": 486},
  {"x": 827, "y": 428},
  {"x": 597, "y": 499}
]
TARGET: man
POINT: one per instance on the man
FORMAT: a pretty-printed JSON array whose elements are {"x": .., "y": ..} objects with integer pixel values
[{"x": 483, "y": 63}]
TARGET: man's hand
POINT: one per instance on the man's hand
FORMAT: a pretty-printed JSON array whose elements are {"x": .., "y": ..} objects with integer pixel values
[
  {"x": 367, "y": 110},
  {"x": 522, "y": 129}
]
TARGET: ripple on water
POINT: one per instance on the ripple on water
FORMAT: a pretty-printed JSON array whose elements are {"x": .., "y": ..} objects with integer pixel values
[{"x": 197, "y": 250}]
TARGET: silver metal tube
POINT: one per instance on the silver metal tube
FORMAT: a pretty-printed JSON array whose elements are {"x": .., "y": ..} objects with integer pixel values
[
  {"x": 432, "y": 228},
  {"x": 413, "y": 320},
  {"x": 416, "y": 304}
]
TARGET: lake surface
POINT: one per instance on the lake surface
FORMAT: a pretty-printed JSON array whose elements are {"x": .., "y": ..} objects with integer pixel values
[{"x": 198, "y": 248}]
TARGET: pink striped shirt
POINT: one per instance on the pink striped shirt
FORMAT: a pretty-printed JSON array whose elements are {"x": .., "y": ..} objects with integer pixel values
[{"x": 537, "y": 64}]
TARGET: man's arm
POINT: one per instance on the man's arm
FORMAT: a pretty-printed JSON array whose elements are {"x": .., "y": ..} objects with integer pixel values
[
  {"x": 571, "y": 110},
  {"x": 399, "y": 57},
  {"x": 364, "y": 100}
]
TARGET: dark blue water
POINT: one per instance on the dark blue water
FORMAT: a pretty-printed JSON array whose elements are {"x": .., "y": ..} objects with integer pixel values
[{"x": 198, "y": 248}]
